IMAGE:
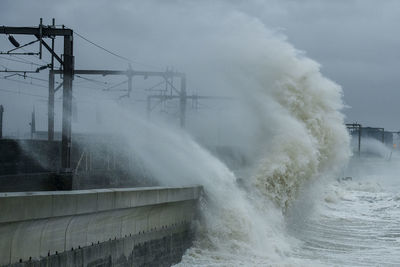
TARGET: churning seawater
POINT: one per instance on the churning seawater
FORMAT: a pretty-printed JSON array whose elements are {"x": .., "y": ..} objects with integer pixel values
[
  {"x": 286, "y": 119},
  {"x": 357, "y": 221}
]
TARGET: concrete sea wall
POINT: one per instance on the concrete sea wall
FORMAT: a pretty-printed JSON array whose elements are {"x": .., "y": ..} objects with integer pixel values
[{"x": 104, "y": 227}]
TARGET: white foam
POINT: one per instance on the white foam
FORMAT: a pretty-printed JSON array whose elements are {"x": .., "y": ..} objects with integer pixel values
[{"x": 286, "y": 120}]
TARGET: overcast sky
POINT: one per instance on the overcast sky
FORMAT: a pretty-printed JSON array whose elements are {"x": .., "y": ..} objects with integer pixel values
[{"x": 356, "y": 42}]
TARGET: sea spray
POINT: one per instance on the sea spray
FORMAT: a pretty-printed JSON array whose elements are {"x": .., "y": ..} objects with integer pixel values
[
  {"x": 285, "y": 114},
  {"x": 312, "y": 138},
  {"x": 236, "y": 225}
]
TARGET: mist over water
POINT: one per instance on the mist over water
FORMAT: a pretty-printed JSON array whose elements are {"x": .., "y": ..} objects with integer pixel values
[{"x": 284, "y": 118}]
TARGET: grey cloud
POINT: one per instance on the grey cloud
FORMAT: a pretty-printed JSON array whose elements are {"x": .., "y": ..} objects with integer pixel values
[{"x": 356, "y": 42}]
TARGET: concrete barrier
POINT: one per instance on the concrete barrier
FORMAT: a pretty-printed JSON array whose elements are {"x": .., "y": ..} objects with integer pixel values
[{"x": 39, "y": 225}]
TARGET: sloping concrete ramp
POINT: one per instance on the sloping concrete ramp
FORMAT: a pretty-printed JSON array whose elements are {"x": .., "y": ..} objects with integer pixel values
[{"x": 103, "y": 227}]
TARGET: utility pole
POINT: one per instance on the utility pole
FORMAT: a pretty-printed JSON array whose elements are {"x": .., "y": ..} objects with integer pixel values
[
  {"x": 1, "y": 121},
  {"x": 67, "y": 63}
]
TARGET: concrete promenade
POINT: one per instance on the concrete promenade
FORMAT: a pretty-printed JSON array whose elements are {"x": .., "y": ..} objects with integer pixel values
[{"x": 39, "y": 226}]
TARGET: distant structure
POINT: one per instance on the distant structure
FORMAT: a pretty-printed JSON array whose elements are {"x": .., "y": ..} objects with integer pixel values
[
  {"x": 388, "y": 138},
  {"x": 373, "y": 133},
  {"x": 379, "y": 134},
  {"x": 357, "y": 131}
]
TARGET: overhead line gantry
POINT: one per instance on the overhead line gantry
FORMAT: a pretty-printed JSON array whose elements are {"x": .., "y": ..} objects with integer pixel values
[{"x": 66, "y": 61}]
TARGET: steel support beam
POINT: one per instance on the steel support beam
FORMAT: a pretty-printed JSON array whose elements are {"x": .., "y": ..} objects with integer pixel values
[
  {"x": 182, "y": 102},
  {"x": 50, "y": 107},
  {"x": 67, "y": 103},
  {"x": 45, "y": 31}
]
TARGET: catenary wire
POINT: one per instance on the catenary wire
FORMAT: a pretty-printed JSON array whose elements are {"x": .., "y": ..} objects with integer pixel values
[{"x": 113, "y": 53}]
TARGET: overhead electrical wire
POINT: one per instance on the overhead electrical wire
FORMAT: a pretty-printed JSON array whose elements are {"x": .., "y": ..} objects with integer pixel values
[
  {"x": 113, "y": 53},
  {"x": 34, "y": 78},
  {"x": 115, "y": 85},
  {"x": 91, "y": 80},
  {"x": 22, "y": 93},
  {"x": 87, "y": 99},
  {"x": 27, "y": 61},
  {"x": 18, "y": 81},
  {"x": 20, "y": 61}
]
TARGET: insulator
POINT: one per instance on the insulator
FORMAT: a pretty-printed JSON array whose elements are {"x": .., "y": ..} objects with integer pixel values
[
  {"x": 13, "y": 41},
  {"x": 41, "y": 68}
]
